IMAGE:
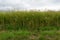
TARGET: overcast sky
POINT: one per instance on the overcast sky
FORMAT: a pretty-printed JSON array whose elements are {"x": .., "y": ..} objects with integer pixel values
[{"x": 30, "y": 4}]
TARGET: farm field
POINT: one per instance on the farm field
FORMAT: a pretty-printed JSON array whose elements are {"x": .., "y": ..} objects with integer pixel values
[{"x": 30, "y": 25}]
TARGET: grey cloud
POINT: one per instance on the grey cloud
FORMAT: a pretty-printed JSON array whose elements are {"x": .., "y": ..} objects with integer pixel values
[{"x": 28, "y": 4}]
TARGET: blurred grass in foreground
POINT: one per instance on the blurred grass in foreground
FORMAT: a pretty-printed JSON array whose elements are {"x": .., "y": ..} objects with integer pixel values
[{"x": 27, "y": 35}]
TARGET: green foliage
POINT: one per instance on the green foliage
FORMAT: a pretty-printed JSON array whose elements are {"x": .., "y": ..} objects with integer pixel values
[
  {"x": 27, "y": 35},
  {"x": 28, "y": 19},
  {"x": 14, "y": 35},
  {"x": 30, "y": 25}
]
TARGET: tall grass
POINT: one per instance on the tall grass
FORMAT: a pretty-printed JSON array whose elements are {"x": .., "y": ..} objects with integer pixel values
[{"x": 28, "y": 19}]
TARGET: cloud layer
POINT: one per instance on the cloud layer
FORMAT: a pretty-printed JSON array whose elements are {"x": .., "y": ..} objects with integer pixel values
[{"x": 30, "y": 4}]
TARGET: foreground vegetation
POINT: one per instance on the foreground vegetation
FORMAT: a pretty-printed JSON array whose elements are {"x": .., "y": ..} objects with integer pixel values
[
  {"x": 27, "y": 35},
  {"x": 30, "y": 25}
]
